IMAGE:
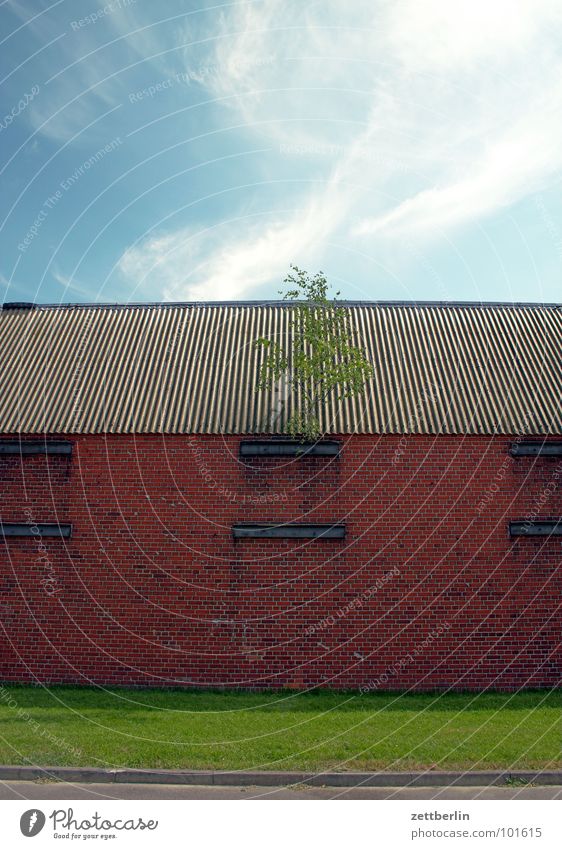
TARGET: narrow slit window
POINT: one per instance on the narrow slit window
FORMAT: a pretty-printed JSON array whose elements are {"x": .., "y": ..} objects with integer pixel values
[
  {"x": 291, "y": 530},
  {"x": 289, "y": 448},
  {"x": 532, "y": 448},
  {"x": 536, "y": 528},
  {"x": 14, "y": 446},
  {"x": 38, "y": 529}
]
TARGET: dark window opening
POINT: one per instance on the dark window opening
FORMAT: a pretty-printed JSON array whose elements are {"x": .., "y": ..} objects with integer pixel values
[
  {"x": 38, "y": 529},
  {"x": 291, "y": 530},
  {"x": 535, "y": 449},
  {"x": 537, "y": 528},
  {"x": 14, "y": 446},
  {"x": 289, "y": 448}
]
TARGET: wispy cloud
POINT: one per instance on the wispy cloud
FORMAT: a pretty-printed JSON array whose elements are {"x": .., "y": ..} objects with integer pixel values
[
  {"x": 436, "y": 118},
  {"x": 510, "y": 167},
  {"x": 9, "y": 289},
  {"x": 84, "y": 70},
  {"x": 436, "y": 115},
  {"x": 221, "y": 264},
  {"x": 71, "y": 286}
]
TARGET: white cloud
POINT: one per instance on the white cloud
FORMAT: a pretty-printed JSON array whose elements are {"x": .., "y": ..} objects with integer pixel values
[
  {"x": 445, "y": 35},
  {"x": 228, "y": 262},
  {"x": 440, "y": 113},
  {"x": 509, "y": 168}
]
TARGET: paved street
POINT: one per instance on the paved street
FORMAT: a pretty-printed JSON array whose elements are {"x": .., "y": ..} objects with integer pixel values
[{"x": 57, "y": 790}]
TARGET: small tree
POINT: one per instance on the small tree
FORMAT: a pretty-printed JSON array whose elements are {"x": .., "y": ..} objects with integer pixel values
[{"x": 322, "y": 359}]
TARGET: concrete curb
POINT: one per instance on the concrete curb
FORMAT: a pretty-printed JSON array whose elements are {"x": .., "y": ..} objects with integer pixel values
[{"x": 476, "y": 778}]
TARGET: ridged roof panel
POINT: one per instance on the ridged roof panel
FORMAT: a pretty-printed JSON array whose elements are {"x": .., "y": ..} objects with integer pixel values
[{"x": 190, "y": 368}]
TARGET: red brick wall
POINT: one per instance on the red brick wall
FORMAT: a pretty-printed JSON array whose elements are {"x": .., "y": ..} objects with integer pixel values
[{"x": 426, "y": 591}]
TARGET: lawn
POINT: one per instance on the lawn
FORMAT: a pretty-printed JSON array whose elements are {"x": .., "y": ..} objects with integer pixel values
[{"x": 286, "y": 730}]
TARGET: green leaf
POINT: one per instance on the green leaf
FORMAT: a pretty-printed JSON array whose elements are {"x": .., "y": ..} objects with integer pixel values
[{"x": 322, "y": 358}]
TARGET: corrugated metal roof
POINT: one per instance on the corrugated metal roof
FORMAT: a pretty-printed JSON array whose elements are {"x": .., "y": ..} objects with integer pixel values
[{"x": 193, "y": 368}]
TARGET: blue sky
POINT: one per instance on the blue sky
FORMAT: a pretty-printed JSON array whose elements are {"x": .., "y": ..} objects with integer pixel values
[{"x": 411, "y": 149}]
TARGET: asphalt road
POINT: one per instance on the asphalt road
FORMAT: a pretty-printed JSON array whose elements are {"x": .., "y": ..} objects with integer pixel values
[{"x": 58, "y": 790}]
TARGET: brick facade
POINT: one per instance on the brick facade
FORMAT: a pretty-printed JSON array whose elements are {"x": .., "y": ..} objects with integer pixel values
[{"x": 426, "y": 591}]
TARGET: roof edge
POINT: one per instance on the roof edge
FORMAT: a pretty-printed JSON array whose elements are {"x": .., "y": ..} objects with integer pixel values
[{"x": 23, "y": 306}]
